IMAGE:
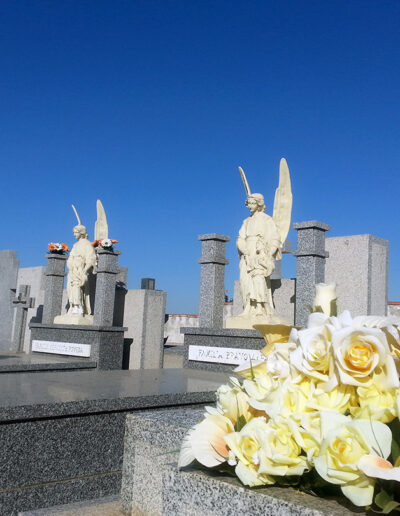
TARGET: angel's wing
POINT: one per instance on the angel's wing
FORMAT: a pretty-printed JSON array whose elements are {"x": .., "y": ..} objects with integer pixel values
[
  {"x": 283, "y": 201},
  {"x": 101, "y": 226}
]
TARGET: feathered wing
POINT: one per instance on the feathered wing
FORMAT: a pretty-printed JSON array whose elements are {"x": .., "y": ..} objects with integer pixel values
[
  {"x": 101, "y": 226},
  {"x": 283, "y": 201}
]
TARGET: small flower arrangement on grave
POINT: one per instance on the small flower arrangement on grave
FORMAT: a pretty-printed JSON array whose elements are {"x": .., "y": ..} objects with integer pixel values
[
  {"x": 321, "y": 413},
  {"x": 106, "y": 243},
  {"x": 57, "y": 248}
]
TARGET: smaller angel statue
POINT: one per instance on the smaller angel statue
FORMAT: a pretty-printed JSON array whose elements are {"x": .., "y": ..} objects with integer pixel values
[{"x": 259, "y": 244}]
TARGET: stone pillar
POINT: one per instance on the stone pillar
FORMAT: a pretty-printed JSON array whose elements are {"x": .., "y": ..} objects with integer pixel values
[
  {"x": 21, "y": 303},
  {"x": 54, "y": 286},
  {"x": 145, "y": 319},
  {"x": 277, "y": 272},
  {"x": 212, "y": 285},
  {"x": 107, "y": 270},
  {"x": 310, "y": 267}
]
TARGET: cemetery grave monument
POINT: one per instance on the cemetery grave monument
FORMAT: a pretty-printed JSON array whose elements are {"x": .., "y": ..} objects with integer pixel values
[
  {"x": 79, "y": 332},
  {"x": 260, "y": 242}
]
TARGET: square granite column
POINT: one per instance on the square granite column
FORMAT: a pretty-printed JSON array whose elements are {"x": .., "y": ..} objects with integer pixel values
[
  {"x": 107, "y": 270},
  {"x": 212, "y": 280},
  {"x": 54, "y": 286},
  {"x": 310, "y": 267}
]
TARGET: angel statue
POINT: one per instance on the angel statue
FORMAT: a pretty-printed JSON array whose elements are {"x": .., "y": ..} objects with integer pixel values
[
  {"x": 81, "y": 262},
  {"x": 259, "y": 244}
]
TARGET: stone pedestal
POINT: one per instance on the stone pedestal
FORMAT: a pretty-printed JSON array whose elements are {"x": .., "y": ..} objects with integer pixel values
[
  {"x": 145, "y": 322},
  {"x": 107, "y": 270},
  {"x": 310, "y": 266},
  {"x": 54, "y": 286},
  {"x": 106, "y": 342},
  {"x": 212, "y": 285},
  {"x": 358, "y": 264}
]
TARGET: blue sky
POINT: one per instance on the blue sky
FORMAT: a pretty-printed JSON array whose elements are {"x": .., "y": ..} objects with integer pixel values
[{"x": 151, "y": 106}]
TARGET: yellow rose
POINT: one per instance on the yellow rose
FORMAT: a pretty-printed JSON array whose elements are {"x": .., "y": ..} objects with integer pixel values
[
  {"x": 358, "y": 352},
  {"x": 341, "y": 398},
  {"x": 344, "y": 443},
  {"x": 310, "y": 431},
  {"x": 376, "y": 403},
  {"x": 232, "y": 402},
  {"x": 259, "y": 387},
  {"x": 245, "y": 450},
  {"x": 281, "y": 450},
  {"x": 286, "y": 399}
]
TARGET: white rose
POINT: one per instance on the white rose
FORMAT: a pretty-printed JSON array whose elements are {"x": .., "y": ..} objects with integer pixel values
[{"x": 313, "y": 357}]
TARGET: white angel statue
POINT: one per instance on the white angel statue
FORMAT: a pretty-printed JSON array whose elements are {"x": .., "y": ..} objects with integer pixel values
[
  {"x": 259, "y": 244},
  {"x": 81, "y": 263}
]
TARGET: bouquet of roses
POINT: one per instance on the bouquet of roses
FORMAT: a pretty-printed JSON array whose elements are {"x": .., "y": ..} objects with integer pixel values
[{"x": 320, "y": 413}]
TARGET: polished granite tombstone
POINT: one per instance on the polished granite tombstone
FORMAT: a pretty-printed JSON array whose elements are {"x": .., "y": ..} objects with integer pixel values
[{"x": 62, "y": 433}]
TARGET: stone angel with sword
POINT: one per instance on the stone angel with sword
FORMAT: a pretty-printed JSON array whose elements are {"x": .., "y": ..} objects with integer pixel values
[{"x": 259, "y": 244}]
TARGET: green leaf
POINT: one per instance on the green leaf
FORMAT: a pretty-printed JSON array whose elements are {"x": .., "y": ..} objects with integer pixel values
[
  {"x": 395, "y": 428},
  {"x": 240, "y": 423},
  {"x": 385, "y": 501},
  {"x": 383, "y": 498}
]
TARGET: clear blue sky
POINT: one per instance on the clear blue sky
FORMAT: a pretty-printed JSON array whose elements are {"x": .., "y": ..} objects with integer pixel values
[{"x": 151, "y": 106}]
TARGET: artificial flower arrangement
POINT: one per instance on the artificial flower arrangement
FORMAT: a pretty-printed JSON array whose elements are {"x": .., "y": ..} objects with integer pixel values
[
  {"x": 106, "y": 243},
  {"x": 321, "y": 413},
  {"x": 57, "y": 248}
]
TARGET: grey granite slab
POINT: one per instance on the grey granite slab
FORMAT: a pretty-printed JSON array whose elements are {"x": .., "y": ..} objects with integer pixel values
[
  {"x": 205, "y": 493},
  {"x": 25, "y": 396},
  {"x": 13, "y": 501},
  {"x": 152, "y": 484},
  {"x": 152, "y": 439},
  {"x": 18, "y": 362},
  {"x": 109, "y": 505}
]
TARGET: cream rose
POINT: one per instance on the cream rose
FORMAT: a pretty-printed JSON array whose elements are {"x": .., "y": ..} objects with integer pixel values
[
  {"x": 287, "y": 399},
  {"x": 232, "y": 402},
  {"x": 340, "y": 399},
  {"x": 376, "y": 403},
  {"x": 313, "y": 357},
  {"x": 344, "y": 443},
  {"x": 282, "y": 449},
  {"x": 278, "y": 361},
  {"x": 359, "y": 352},
  {"x": 325, "y": 298},
  {"x": 246, "y": 447}
]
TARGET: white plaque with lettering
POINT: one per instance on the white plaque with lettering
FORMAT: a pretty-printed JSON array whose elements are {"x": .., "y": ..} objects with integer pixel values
[
  {"x": 61, "y": 348},
  {"x": 232, "y": 356}
]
